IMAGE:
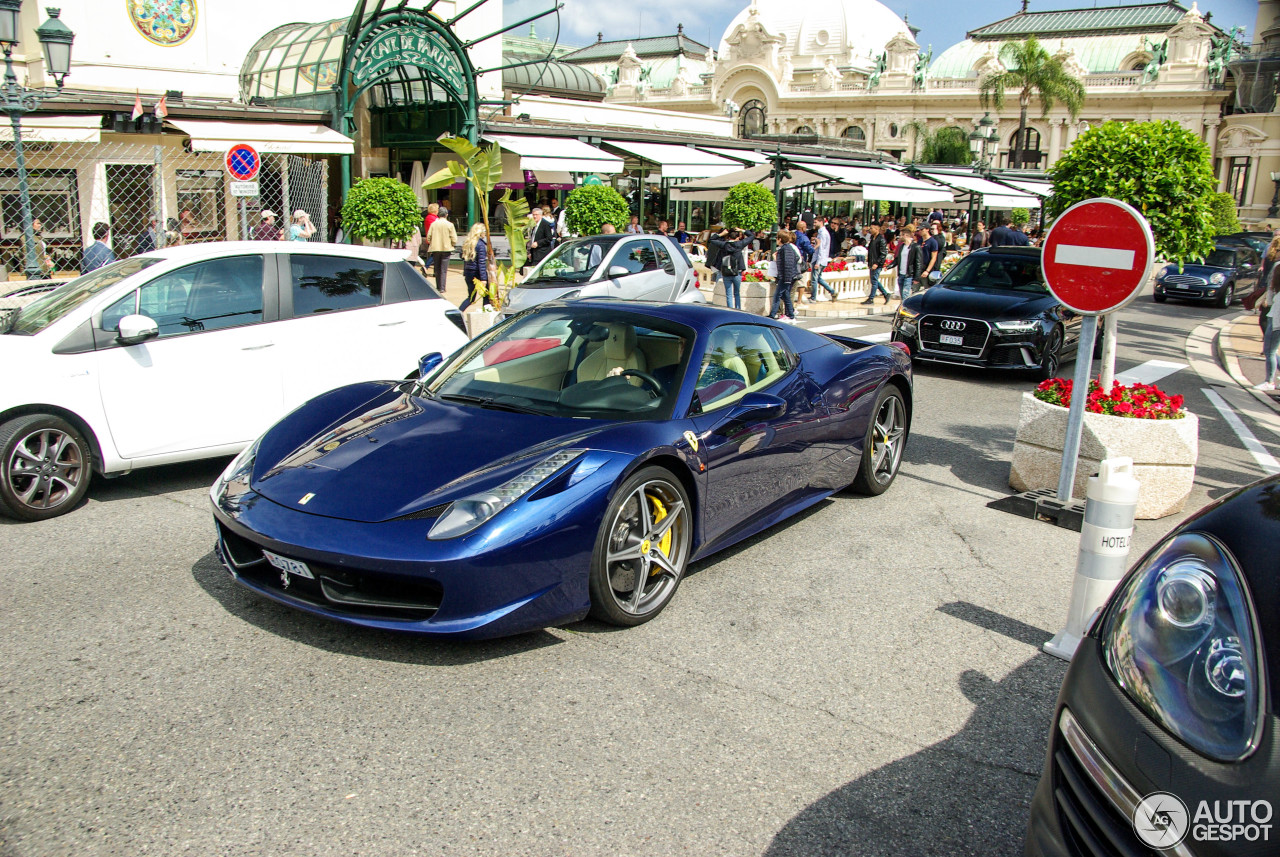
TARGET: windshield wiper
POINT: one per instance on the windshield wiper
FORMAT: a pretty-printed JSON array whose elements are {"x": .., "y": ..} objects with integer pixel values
[{"x": 490, "y": 403}]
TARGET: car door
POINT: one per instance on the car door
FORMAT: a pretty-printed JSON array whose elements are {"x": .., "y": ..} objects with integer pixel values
[
  {"x": 1249, "y": 270},
  {"x": 755, "y": 460},
  {"x": 211, "y": 378},
  {"x": 337, "y": 329},
  {"x": 645, "y": 278}
]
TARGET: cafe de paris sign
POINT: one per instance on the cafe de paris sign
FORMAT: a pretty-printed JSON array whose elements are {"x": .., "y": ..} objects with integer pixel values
[{"x": 404, "y": 47}]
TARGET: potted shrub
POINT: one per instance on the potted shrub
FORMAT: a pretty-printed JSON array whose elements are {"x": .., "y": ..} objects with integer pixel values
[
  {"x": 380, "y": 210},
  {"x": 1139, "y": 421},
  {"x": 588, "y": 208}
]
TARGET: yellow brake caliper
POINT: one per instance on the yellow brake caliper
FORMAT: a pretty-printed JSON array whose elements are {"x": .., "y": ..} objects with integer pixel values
[{"x": 664, "y": 544}]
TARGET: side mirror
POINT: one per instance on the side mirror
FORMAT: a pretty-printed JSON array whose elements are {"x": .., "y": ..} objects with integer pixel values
[
  {"x": 757, "y": 406},
  {"x": 428, "y": 362},
  {"x": 136, "y": 328},
  {"x": 616, "y": 271}
]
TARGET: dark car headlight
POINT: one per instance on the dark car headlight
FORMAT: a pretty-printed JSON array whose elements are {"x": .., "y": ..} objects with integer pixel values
[
  {"x": 1180, "y": 639},
  {"x": 466, "y": 514},
  {"x": 1025, "y": 325},
  {"x": 239, "y": 470},
  {"x": 1218, "y": 278}
]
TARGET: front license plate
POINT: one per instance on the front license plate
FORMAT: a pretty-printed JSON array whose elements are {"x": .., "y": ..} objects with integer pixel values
[
  {"x": 948, "y": 339},
  {"x": 290, "y": 565}
]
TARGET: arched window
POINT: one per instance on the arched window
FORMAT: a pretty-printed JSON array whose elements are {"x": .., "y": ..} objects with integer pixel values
[
  {"x": 1030, "y": 154},
  {"x": 751, "y": 119},
  {"x": 856, "y": 135},
  {"x": 806, "y": 131}
]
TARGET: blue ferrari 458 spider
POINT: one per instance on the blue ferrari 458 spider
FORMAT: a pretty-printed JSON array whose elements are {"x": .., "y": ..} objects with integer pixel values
[{"x": 572, "y": 460}]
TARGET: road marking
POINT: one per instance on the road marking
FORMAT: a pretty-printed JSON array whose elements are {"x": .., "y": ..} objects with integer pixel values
[
  {"x": 877, "y": 337},
  {"x": 1094, "y": 257},
  {"x": 1149, "y": 372},
  {"x": 1265, "y": 460},
  {"x": 832, "y": 328}
]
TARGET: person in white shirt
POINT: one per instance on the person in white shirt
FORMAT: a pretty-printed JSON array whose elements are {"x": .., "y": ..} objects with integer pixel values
[{"x": 821, "y": 256}]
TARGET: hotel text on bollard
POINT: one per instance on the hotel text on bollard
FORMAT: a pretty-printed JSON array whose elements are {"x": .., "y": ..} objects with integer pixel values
[{"x": 1109, "y": 507}]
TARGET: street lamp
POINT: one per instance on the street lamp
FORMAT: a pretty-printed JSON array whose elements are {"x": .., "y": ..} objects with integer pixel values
[
  {"x": 984, "y": 141},
  {"x": 55, "y": 38},
  {"x": 1275, "y": 197}
]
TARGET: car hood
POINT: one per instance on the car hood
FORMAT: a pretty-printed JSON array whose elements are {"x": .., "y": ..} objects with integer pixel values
[
  {"x": 1199, "y": 270},
  {"x": 521, "y": 299},
  {"x": 988, "y": 304},
  {"x": 401, "y": 453}
]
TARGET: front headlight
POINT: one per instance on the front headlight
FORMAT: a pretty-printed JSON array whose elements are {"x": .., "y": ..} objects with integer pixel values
[
  {"x": 1179, "y": 638},
  {"x": 466, "y": 514},
  {"x": 1218, "y": 279},
  {"x": 1164, "y": 272},
  {"x": 1025, "y": 325},
  {"x": 906, "y": 314},
  {"x": 239, "y": 470}
]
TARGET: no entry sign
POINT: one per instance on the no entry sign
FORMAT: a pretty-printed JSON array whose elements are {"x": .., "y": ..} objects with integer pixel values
[
  {"x": 243, "y": 162},
  {"x": 1097, "y": 256}
]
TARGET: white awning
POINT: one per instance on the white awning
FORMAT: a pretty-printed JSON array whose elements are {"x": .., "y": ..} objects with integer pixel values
[
  {"x": 1038, "y": 188},
  {"x": 559, "y": 154},
  {"x": 56, "y": 129},
  {"x": 881, "y": 183},
  {"x": 993, "y": 195},
  {"x": 717, "y": 187},
  {"x": 511, "y": 172},
  {"x": 859, "y": 193},
  {"x": 266, "y": 137},
  {"x": 749, "y": 155},
  {"x": 679, "y": 162}
]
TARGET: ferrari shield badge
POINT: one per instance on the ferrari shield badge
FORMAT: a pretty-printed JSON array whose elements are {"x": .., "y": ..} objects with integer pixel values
[
  {"x": 306, "y": 498},
  {"x": 693, "y": 440}
]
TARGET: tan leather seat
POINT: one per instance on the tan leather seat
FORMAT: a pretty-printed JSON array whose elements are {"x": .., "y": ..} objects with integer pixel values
[{"x": 617, "y": 352}]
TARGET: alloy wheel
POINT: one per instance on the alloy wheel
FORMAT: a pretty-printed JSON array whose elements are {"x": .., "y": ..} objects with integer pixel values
[
  {"x": 45, "y": 469},
  {"x": 648, "y": 546},
  {"x": 887, "y": 439}
]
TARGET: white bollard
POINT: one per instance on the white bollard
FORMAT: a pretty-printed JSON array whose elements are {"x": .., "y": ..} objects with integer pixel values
[{"x": 1109, "y": 507}]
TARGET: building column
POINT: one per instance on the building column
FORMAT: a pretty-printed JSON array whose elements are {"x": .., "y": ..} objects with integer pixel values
[{"x": 1056, "y": 129}]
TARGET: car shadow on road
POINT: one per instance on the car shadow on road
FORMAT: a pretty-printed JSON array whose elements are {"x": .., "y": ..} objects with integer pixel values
[
  {"x": 978, "y": 456},
  {"x": 345, "y": 639},
  {"x": 969, "y": 794}
]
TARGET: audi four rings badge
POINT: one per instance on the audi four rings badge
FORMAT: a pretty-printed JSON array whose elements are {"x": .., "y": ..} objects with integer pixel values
[{"x": 952, "y": 324}]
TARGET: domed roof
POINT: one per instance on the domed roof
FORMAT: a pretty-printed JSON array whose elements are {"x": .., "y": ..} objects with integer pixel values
[{"x": 848, "y": 29}]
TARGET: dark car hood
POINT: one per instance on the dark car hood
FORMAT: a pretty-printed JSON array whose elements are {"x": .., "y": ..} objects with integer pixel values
[
  {"x": 403, "y": 453},
  {"x": 1202, "y": 270},
  {"x": 979, "y": 303}
]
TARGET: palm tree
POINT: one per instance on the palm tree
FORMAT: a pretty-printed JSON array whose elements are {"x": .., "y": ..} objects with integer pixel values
[
  {"x": 1031, "y": 71},
  {"x": 949, "y": 145}
]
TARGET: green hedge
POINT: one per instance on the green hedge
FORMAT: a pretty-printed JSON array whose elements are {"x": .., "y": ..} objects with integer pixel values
[
  {"x": 588, "y": 208},
  {"x": 381, "y": 209}
]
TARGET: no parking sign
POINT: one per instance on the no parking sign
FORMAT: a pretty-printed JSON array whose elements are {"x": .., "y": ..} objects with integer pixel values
[{"x": 243, "y": 162}]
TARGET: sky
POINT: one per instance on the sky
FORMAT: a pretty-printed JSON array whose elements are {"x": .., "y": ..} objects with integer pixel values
[{"x": 939, "y": 23}]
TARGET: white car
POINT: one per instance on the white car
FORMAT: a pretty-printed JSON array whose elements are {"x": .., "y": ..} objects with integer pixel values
[{"x": 192, "y": 352}]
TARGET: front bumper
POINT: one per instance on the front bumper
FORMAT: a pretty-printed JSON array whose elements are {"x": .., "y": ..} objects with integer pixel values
[
  {"x": 525, "y": 569},
  {"x": 1105, "y": 755},
  {"x": 1188, "y": 292},
  {"x": 995, "y": 349}
]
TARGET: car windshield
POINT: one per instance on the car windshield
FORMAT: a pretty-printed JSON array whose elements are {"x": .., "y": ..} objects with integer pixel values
[
  {"x": 572, "y": 262},
  {"x": 988, "y": 271},
  {"x": 1221, "y": 258},
  {"x": 571, "y": 362},
  {"x": 45, "y": 310}
]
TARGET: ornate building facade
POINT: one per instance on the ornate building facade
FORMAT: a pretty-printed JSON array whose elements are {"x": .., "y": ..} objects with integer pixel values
[{"x": 852, "y": 70}]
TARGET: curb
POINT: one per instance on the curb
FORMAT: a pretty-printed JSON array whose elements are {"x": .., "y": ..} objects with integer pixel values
[{"x": 1226, "y": 353}]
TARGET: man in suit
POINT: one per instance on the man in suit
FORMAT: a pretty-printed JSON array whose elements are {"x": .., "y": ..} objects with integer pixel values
[
  {"x": 543, "y": 237},
  {"x": 1005, "y": 235},
  {"x": 98, "y": 253}
]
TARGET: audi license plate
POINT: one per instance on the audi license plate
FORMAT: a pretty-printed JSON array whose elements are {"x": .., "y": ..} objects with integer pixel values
[
  {"x": 950, "y": 339},
  {"x": 290, "y": 565}
]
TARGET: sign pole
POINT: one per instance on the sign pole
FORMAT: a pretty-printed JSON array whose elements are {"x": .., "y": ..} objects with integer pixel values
[
  {"x": 1075, "y": 415},
  {"x": 1109, "y": 330},
  {"x": 244, "y": 221}
]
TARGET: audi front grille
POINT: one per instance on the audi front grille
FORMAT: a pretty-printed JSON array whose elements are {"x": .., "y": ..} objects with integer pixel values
[{"x": 973, "y": 334}]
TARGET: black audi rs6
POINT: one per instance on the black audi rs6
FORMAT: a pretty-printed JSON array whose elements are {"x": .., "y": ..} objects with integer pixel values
[{"x": 992, "y": 309}]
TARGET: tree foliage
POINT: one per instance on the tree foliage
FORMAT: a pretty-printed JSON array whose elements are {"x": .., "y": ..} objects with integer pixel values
[
  {"x": 381, "y": 209},
  {"x": 588, "y": 208},
  {"x": 949, "y": 145},
  {"x": 1161, "y": 169},
  {"x": 1031, "y": 73},
  {"x": 1019, "y": 216},
  {"x": 750, "y": 206},
  {"x": 1225, "y": 221}
]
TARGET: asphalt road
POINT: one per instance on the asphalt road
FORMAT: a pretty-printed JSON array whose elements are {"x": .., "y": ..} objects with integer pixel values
[{"x": 864, "y": 679}]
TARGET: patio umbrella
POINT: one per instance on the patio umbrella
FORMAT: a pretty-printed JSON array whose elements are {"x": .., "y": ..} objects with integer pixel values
[{"x": 416, "y": 177}]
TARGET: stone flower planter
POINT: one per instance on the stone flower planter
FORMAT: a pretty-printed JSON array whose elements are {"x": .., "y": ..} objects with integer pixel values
[
  {"x": 478, "y": 321},
  {"x": 1163, "y": 452}
]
